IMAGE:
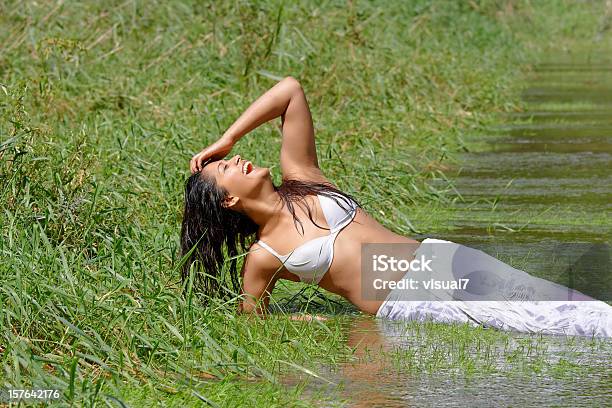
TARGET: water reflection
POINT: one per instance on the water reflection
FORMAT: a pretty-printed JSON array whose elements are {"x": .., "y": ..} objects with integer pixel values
[
  {"x": 396, "y": 364},
  {"x": 543, "y": 179}
]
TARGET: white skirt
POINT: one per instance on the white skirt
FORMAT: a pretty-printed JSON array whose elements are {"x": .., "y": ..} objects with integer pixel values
[{"x": 581, "y": 317}]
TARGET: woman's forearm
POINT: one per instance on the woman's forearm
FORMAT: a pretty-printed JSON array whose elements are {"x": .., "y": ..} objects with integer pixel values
[{"x": 270, "y": 105}]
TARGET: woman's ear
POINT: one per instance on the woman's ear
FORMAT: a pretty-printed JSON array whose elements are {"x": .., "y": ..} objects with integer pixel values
[{"x": 230, "y": 201}]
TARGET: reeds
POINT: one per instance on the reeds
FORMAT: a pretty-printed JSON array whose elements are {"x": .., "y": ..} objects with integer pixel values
[{"x": 103, "y": 103}]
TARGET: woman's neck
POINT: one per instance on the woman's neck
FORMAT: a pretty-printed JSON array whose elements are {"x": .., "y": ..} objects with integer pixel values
[{"x": 264, "y": 211}]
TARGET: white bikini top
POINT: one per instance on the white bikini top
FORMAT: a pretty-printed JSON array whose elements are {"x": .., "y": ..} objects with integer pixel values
[{"x": 311, "y": 260}]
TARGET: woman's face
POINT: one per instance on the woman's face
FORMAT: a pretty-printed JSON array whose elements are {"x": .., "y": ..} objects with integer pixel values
[{"x": 240, "y": 178}]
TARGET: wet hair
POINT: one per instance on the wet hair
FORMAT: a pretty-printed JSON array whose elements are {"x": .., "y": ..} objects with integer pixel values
[{"x": 211, "y": 232}]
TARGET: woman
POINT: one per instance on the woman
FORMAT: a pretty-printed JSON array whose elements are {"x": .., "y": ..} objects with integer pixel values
[{"x": 307, "y": 230}]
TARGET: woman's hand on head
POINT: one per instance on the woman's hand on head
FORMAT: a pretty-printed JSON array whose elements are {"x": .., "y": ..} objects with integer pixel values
[{"x": 215, "y": 151}]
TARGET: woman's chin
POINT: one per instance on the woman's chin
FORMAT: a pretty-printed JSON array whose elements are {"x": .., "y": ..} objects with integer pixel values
[{"x": 259, "y": 172}]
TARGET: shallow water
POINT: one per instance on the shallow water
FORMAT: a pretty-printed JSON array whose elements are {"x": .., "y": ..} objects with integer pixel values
[
  {"x": 537, "y": 188},
  {"x": 543, "y": 179},
  {"x": 396, "y": 365}
]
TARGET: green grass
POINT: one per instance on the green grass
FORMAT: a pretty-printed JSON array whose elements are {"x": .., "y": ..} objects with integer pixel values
[{"x": 102, "y": 105}]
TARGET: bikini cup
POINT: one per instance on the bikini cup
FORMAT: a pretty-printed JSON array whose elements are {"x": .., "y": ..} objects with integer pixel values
[{"x": 312, "y": 259}]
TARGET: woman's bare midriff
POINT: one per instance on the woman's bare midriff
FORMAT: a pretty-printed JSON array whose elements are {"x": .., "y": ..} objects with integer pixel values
[{"x": 344, "y": 276}]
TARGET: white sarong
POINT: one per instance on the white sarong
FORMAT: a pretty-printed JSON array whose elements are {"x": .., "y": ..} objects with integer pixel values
[{"x": 522, "y": 302}]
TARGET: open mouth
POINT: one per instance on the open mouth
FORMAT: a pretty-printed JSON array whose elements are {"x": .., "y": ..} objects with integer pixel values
[{"x": 247, "y": 167}]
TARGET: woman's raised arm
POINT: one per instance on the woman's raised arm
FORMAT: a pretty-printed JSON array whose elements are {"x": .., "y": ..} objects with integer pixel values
[{"x": 298, "y": 152}]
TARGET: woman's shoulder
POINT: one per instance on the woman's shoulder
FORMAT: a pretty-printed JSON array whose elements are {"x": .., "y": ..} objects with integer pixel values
[
  {"x": 260, "y": 260},
  {"x": 259, "y": 257}
]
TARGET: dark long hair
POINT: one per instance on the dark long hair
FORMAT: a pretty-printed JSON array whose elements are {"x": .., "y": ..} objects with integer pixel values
[{"x": 210, "y": 232}]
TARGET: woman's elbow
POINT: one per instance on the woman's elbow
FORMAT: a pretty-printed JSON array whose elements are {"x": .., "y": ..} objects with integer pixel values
[{"x": 292, "y": 83}]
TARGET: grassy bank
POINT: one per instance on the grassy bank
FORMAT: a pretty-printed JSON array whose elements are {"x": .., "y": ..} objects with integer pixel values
[{"x": 103, "y": 104}]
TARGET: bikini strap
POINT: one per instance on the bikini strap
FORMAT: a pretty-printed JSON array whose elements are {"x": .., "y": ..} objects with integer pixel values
[{"x": 269, "y": 249}]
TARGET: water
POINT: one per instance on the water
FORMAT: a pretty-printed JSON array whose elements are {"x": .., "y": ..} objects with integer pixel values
[
  {"x": 549, "y": 167},
  {"x": 395, "y": 365},
  {"x": 539, "y": 187}
]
